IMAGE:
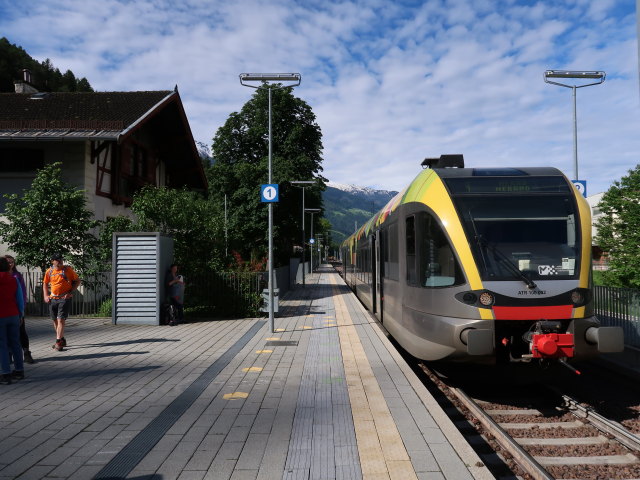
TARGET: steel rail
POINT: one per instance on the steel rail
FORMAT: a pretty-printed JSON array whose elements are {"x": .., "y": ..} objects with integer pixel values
[
  {"x": 603, "y": 424},
  {"x": 529, "y": 464}
]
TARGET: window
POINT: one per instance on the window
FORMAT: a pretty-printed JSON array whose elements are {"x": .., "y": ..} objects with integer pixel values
[
  {"x": 410, "y": 237},
  {"x": 137, "y": 169},
  {"x": 383, "y": 239},
  {"x": 436, "y": 262},
  {"x": 533, "y": 235},
  {"x": 391, "y": 267},
  {"x": 21, "y": 160}
]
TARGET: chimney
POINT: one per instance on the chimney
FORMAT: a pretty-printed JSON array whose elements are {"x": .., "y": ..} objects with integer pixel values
[{"x": 25, "y": 85}]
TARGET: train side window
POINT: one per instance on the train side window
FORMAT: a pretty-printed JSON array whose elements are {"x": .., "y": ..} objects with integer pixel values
[
  {"x": 438, "y": 264},
  {"x": 393, "y": 270},
  {"x": 410, "y": 224},
  {"x": 384, "y": 251}
]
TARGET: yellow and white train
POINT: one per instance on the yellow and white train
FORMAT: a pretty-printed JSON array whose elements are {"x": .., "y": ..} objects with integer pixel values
[{"x": 482, "y": 264}]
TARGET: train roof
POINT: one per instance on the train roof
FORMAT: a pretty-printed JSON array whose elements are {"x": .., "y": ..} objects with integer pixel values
[
  {"x": 454, "y": 177},
  {"x": 497, "y": 172}
]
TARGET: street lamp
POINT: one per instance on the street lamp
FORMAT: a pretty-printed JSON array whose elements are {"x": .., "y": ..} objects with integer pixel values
[
  {"x": 584, "y": 75},
  {"x": 264, "y": 79},
  {"x": 311, "y": 211},
  {"x": 303, "y": 184}
]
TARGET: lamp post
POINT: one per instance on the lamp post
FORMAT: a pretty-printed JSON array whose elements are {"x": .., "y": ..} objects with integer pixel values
[
  {"x": 264, "y": 79},
  {"x": 311, "y": 211},
  {"x": 585, "y": 75},
  {"x": 320, "y": 240},
  {"x": 303, "y": 184}
]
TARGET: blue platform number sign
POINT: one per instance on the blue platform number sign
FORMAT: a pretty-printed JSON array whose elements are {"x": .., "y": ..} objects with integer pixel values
[
  {"x": 581, "y": 185},
  {"x": 269, "y": 193}
]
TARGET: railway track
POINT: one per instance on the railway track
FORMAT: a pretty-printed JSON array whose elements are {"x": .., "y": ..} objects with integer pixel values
[{"x": 548, "y": 435}]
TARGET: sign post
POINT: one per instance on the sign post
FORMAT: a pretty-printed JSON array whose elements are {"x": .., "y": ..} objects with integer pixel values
[
  {"x": 269, "y": 191},
  {"x": 581, "y": 186}
]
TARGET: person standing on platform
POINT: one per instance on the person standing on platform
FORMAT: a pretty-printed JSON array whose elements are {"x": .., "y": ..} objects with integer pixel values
[
  {"x": 58, "y": 286},
  {"x": 11, "y": 310},
  {"x": 24, "y": 338},
  {"x": 174, "y": 284}
]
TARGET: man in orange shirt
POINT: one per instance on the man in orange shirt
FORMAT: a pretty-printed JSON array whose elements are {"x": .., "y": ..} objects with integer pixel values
[{"x": 62, "y": 281}]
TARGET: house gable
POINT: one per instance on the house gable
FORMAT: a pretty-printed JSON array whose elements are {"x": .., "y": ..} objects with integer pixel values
[{"x": 110, "y": 143}]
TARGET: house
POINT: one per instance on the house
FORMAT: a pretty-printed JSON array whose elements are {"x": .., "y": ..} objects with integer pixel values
[{"x": 110, "y": 143}]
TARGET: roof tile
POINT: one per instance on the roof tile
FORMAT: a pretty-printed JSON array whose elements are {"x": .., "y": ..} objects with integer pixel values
[{"x": 86, "y": 110}]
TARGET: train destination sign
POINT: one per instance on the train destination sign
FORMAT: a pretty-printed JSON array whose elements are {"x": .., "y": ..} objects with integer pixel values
[{"x": 507, "y": 185}]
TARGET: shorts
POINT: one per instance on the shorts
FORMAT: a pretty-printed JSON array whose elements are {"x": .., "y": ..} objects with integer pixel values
[{"x": 60, "y": 308}]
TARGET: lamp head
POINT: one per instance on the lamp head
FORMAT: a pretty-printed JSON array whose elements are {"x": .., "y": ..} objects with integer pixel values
[
  {"x": 296, "y": 78},
  {"x": 598, "y": 76},
  {"x": 302, "y": 182}
]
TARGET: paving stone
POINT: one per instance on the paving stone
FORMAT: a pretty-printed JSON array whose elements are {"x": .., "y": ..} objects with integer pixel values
[{"x": 79, "y": 408}]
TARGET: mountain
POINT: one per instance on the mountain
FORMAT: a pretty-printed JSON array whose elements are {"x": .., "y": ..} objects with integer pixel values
[{"x": 346, "y": 206}]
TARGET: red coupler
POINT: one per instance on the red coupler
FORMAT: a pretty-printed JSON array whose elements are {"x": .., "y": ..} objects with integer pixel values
[{"x": 552, "y": 345}]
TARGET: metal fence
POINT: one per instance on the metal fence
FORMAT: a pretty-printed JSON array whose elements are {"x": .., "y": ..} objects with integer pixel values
[
  {"x": 230, "y": 294},
  {"x": 619, "y": 307},
  {"x": 93, "y": 296}
]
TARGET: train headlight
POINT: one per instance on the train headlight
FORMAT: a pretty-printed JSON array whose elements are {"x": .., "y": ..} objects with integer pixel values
[
  {"x": 486, "y": 299},
  {"x": 469, "y": 298},
  {"x": 579, "y": 297},
  {"x": 477, "y": 298}
]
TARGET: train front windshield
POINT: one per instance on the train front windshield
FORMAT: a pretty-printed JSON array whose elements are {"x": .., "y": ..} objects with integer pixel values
[{"x": 520, "y": 228}]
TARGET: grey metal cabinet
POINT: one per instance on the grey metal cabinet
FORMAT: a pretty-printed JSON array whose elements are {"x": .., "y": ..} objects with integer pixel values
[{"x": 140, "y": 263}]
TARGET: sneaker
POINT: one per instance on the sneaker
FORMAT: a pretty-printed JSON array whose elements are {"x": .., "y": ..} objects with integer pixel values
[
  {"x": 58, "y": 345},
  {"x": 28, "y": 358},
  {"x": 5, "y": 379},
  {"x": 17, "y": 374},
  {"x": 64, "y": 341}
]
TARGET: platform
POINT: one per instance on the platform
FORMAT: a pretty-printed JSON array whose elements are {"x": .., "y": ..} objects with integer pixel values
[{"x": 326, "y": 396}]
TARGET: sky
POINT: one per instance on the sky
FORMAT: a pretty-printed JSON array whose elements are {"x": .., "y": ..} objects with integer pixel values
[{"x": 390, "y": 82}]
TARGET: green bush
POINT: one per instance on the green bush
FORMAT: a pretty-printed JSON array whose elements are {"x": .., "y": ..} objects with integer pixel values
[{"x": 105, "y": 308}]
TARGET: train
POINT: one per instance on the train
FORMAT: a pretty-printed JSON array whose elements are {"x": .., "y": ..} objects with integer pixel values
[{"x": 485, "y": 265}]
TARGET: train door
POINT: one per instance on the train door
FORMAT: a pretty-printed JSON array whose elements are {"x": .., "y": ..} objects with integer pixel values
[
  {"x": 378, "y": 273},
  {"x": 372, "y": 268}
]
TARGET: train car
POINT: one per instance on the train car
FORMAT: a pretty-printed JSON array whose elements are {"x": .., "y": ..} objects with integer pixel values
[{"x": 489, "y": 265}]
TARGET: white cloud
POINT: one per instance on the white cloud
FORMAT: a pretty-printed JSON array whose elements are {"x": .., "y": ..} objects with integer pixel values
[{"x": 390, "y": 82}]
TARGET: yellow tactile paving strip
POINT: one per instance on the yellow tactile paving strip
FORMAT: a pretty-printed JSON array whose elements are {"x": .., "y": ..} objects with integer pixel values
[{"x": 381, "y": 449}]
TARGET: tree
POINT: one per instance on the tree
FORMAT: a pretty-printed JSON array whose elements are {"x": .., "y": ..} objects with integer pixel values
[
  {"x": 44, "y": 75},
  {"x": 50, "y": 217},
  {"x": 619, "y": 230},
  {"x": 194, "y": 223},
  {"x": 69, "y": 82},
  {"x": 107, "y": 228},
  {"x": 240, "y": 153}
]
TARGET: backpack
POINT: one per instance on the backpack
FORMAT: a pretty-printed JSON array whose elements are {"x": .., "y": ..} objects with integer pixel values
[{"x": 64, "y": 273}]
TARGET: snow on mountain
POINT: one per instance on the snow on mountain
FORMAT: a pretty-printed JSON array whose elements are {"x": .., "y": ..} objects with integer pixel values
[{"x": 356, "y": 189}]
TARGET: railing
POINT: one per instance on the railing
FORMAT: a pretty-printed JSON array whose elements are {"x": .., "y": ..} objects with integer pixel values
[
  {"x": 230, "y": 294},
  {"x": 234, "y": 294},
  {"x": 93, "y": 296},
  {"x": 619, "y": 307}
]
